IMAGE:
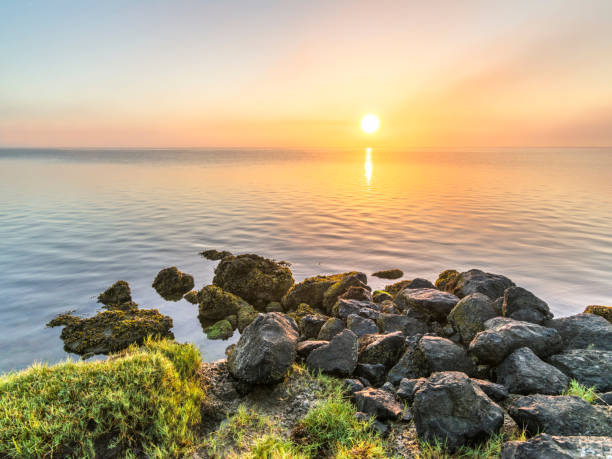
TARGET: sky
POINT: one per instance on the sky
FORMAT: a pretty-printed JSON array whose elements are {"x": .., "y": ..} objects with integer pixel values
[{"x": 300, "y": 74}]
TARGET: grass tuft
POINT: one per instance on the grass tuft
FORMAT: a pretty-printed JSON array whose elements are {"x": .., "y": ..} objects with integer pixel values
[{"x": 576, "y": 389}]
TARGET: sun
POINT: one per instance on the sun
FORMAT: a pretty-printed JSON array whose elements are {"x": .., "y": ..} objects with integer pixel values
[{"x": 370, "y": 123}]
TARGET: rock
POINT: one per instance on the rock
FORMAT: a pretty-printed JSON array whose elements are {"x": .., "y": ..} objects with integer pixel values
[
  {"x": 330, "y": 328},
  {"x": 302, "y": 311},
  {"x": 380, "y": 428},
  {"x": 560, "y": 415},
  {"x": 389, "y": 274},
  {"x": 583, "y": 331},
  {"x": 473, "y": 281},
  {"x": 353, "y": 385},
  {"x": 388, "y": 387},
  {"x": 495, "y": 392},
  {"x": 521, "y": 304},
  {"x": 379, "y": 296},
  {"x": 406, "y": 368},
  {"x": 338, "y": 357},
  {"x": 215, "y": 304},
  {"x": 590, "y": 367},
  {"x": 408, "y": 387},
  {"x": 357, "y": 293},
  {"x": 274, "y": 306},
  {"x": 304, "y": 348},
  {"x": 389, "y": 307},
  {"x": 435, "y": 354},
  {"x": 431, "y": 303},
  {"x": 451, "y": 409},
  {"x": 339, "y": 288},
  {"x": 379, "y": 403},
  {"x": 602, "y": 311},
  {"x": 172, "y": 284},
  {"x": 311, "y": 324},
  {"x": 343, "y": 308},
  {"x": 369, "y": 313},
  {"x": 191, "y": 296},
  {"x": 373, "y": 372},
  {"x": 470, "y": 313},
  {"x": 604, "y": 399},
  {"x": 255, "y": 279},
  {"x": 384, "y": 349},
  {"x": 546, "y": 446},
  {"x": 215, "y": 255},
  {"x": 266, "y": 350},
  {"x": 502, "y": 336},
  {"x": 220, "y": 330},
  {"x": 522, "y": 372},
  {"x": 116, "y": 294},
  {"x": 361, "y": 326},
  {"x": 409, "y": 326},
  {"x": 233, "y": 320},
  {"x": 246, "y": 314},
  {"x": 394, "y": 289}
]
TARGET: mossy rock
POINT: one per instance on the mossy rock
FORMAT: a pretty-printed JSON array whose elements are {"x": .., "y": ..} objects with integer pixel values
[
  {"x": 389, "y": 274},
  {"x": 321, "y": 292},
  {"x": 233, "y": 319},
  {"x": 395, "y": 288},
  {"x": 216, "y": 304},
  {"x": 302, "y": 310},
  {"x": 449, "y": 280},
  {"x": 220, "y": 330},
  {"x": 191, "y": 296},
  {"x": 257, "y": 280},
  {"x": 215, "y": 255},
  {"x": 246, "y": 315},
  {"x": 127, "y": 306},
  {"x": 603, "y": 311},
  {"x": 172, "y": 284},
  {"x": 380, "y": 295},
  {"x": 117, "y": 293},
  {"x": 274, "y": 306}
]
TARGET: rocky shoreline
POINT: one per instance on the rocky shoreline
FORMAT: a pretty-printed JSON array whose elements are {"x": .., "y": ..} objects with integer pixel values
[{"x": 454, "y": 362}]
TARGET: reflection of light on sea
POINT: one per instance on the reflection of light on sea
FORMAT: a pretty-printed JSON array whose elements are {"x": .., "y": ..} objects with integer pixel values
[{"x": 368, "y": 165}]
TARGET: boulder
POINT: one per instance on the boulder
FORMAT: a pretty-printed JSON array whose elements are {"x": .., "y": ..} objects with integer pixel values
[
  {"x": 379, "y": 296},
  {"x": 246, "y": 314},
  {"x": 216, "y": 304},
  {"x": 338, "y": 357},
  {"x": 219, "y": 330},
  {"x": 503, "y": 335},
  {"x": 378, "y": 402},
  {"x": 191, "y": 296},
  {"x": 582, "y": 331},
  {"x": 430, "y": 303},
  {"x": 116, "y": 294},
  {"x": 495, "y": 392},
  {"x": 546, "y": 446},
  {"x": 590, "y": 367},
  {"x": 602, "y": 311},
  {"x": 473, "y": 281},
  {"x": 470, "y": 313},
  {"x": 451, "y": 409},
  {"x": 311, "y": 324},
  {"x": 395, "y": 288},
  {"x": 357, "y": 293},
  {"x": 304, "y": 348},
  {"x": 255, "y": 279},
  {"x": 343, "y": 308},
  {"x": 274, "y": 306},
  {"x": 560, "y": 415},
  {"x": 172, "y": 284},
  {"x": 389, "y": 274},
  {"x": 409, "y": 326},
  {"x": 407, "y": 367},
  {"x": 373, "y": 372},
  {"x": 330, "y": 328},
  {"x": 353, "y": 385},
  {"x": 435, "y": 354},
  {"x": 407, "y": 388},
  {"x": 384, "y": 349},
  {"x": 361, "y": 326},
  {"x": 604, "y": 399},
  {"x": 521, "y": 304},
  {"x": 215, "y": 255},
  {"x": 266, "y": 350},
  {"x": 523, "y": 372}
]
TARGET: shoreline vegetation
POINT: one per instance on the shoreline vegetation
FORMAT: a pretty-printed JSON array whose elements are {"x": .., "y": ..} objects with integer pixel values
[{"x": 469, "y": 366}]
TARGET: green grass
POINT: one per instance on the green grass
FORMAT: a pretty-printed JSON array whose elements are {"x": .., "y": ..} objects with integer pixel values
[
  {"x": 143, "y": 401},
  {"x": 586, "y": 393},
  {"x": 491, "y": 448}
]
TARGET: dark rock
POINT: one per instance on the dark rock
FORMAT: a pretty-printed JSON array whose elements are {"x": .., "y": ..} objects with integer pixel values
[
  {"x": 522, "y": 372},
  {"x": 361, "y": 326},
  {"x": 369, "y": 313},
  {"x": 560, "y": 415},
  {"x": 546, "y": 446},
  {"x": 495, "y": 392},
  {"x": 379, "y": 296},
  {"x": 389, "y": 274},
  {"x": 602, "y": 311},
  {"x": 469, "y": 315},
  {"x": 343, "y": 308},
  {"x": 311, "y": 324},
  {"x": 388, "y": 387},
  {"x": 381, "y": 428},
  {"x": 389, "y": 307},
  {"x": 116, "y": 294},
  {"x": 255, "y": 279},
  {"x": 409, "y": 326},
  {"x": 373, "y": 372},
  {"x": 330, "y": 328},
  {"x": 451, "y": 409},
  {"x": 473, "y": 281},
  {"x": 521, "y": 304},
  {"x": 266, "y": 350},
  {"x": 431, "y": 303},
  {"x": 222, "y": 329},
  {"x": 302, "y": 311},
  {"x": 246, "y": 314},
  {"x": 357, "y": 293},
  {"x": 503, "y": 335},
  {"x": 304, "y": 348},
  {"x": 408, "y": 387},
  {"x": 583, "y": 331},
  {"x": 590, "y": 367},
  {"x": 274, "y": 306},
  {"x": 407, "y": 367},
  {"x": 215, "y": 304},
  {"x": 378, "y": 402},
  {"x": 172, "y": 284},
  {"x": 338, "y": 357},
  {"x": 191, "y": 296},
  {"x": 215, "y": 255},
  {"x": 604, "y": 399},
  {"x": 384, "y": 349},
  {"x": 397, "y": 287},
  {"x": 353, "y": 385},
  {"x": 440, "y": 354}
]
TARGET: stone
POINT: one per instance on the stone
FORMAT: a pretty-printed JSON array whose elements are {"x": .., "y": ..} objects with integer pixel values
[
  {"x": 311, "y": 324},
  {"x": 451, "y": 409},
  {"x": 361, "y": 326},
  {"x": 343, "y": 308},
  {"x": 216, "y": 304},
  {"x": 503, "y": 335},
  {"x": 304, "y": 348},
  {"x": 406, "y": 368},
  {"x": 388, "y": 387},
  {"x": 338, "y": 357},
  {"x": 523, "y": 372},
  {"x": 378, "y": 402},
  {"x": 274, "y": 306},
  {"x": 582, "y": 331},
  {"x": 266, "y": 350},
  {"x": 473, "y": 281},
  {"x": 590, "y": 367},
  {"x": 409, "y": 326},
  {"x": 394, "y": 289},
  {"x": 379, "y": 296},
  {"x": 407, "y": 388},
  {"x": 495, "y": 392},
  {"x": 357, "y": 293},
  {"x": 602, "y": 311},
  {"x": 435, "y": 354},
  {"x": 389, "y": 274},
  {"x": 546, "y": 446},
  {"x": 521, "y": 304},
  {"x": 172, "y": 284},
  {"x": 604, "y": 399},
  {"x": 255, "y": 279},
  {"x": 215, "y": 255},
  {"x": 116, "y": 294},
  {"x": 353, "y": 385},
  {"x": 560, "y": 415},
  {"x": 385, "y": 349},
  {"x": 245, "y": 315},
  {"x": 431, "y": 303},
  {"x": 373, "y": 372},
  {"x": 470, "y": 313},
  {"x": 302, "y": 311},
  {"x": 389, "y": 307},
  {"x": 330, "y": 328},
  {"x": 191, "y": 296},
  {"x": 220, "y": 330}
]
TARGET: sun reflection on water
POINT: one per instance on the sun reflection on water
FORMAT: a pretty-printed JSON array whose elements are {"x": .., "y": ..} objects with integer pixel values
[{"x": 368, "y": 165}]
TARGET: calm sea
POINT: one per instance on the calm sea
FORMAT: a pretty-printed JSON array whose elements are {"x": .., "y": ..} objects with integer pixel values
[{"x": 73, "y": 222}]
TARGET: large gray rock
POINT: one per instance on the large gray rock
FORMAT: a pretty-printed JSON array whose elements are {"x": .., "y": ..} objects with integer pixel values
[
  {"x": 407, "y": 388},
  {"x": 503, "y": 335},
  {"x": 345, "y": 307},
  {"x": 409, "y": 326},
  {"x": 560, "y": 415},
  {"x": 523, "y": 372},
  {"x": 330, "y": 328},
  {"x": 373, "y": 372},
  {"x": 441, "y": 354},
  {"x": 339, "y": 357},
  {"x": 590, "y": 367},
  {"x": 360, "y": 325},
  {"x": 546, "y": 446},
  {"x": 304, "y": 348},
  {"x": 469, "y": 315},
  {"x": 473, "y": 281},
  {"x": 384, "y": 349},
  {"x": 311, "y": 324},
  {"x": 495, "y": 392},
  {"x": 521, "y": 304},
  {"x": 431, "y": 303},
  {"x": 377, "y": 402},
  {"x": 266, "y": 350},
  {"x": 451, "y": 409},
  {"x": 407, "y": 367},
  {"x": 583, "y": 331}
]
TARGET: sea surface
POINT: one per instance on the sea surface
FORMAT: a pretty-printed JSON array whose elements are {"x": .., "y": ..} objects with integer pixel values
[{"x": 72, "y": 222}]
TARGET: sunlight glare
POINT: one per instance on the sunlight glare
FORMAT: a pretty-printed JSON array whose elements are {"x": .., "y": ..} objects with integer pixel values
[
  {"x": 368, "y": 165},
  {"x": 370, "y": 123}
]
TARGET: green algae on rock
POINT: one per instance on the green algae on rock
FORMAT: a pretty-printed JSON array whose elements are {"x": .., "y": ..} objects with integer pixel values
[
  {"x": 172, "y": 284},
  {"x": 389, "y": 274},
  {"x": 215, "y": 255},
  {"x": 222, "y": 329},
  {"x": 117, "y": 293},
  {"x": 603, "y": 311},
  {"x": 191, "y": 296},
  {"x": 216, "y": 304}
]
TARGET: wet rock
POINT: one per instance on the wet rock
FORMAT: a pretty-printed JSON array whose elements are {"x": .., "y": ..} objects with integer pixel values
[
  {"x": 330, "y": 328},
  {"x": 503, "y": 335},
  {"x": 602, "y": 311},
  {"x": 215, "y": 255},
  {"x": 431, "y": 303},
  {"x": 116, "y": 294},
  {"x": 191, "y": 296},
  {"x": 379, "y": 296},
  {"x": 495, "y": 392},
  {"x": 304, "y": 348},
  {"x": 361, "y": 326},
  {"x": 521, "y": 304},
  {"x": 255, "y": 279},
  {"x": 450, "y": 408},
  {"x": 546, "y": 446},
  {"x": 216, "y": 304},
  {"x": 435, "y": 354},
  {"x": 266, "y": 350},
  {"x": 338, "y": 357},
  {"x": 385, "y": 349},
  {"x": 523, "y": 372},
  {"x": 373, "y": 372},
  {"x": 409, "y": 326},
  {"x": 378, "y": 402},
  {"x": 389, "y": 274},
  {"x": 473, "y": 281},
  {"x": 470, "y": 313},
  {"x": 560, "y": 415},
  {"x": 408, "y": 387},
  {"x": 220, "y": 330},
  {"x": 590, "y": 367},
  {"x": 582, "y": 331},
  {"x": 353, "y": 385},
  {"x": 311, "y": 324},
  {"x": 172, "y": 284},
  {"x": 357, "y": 293}
]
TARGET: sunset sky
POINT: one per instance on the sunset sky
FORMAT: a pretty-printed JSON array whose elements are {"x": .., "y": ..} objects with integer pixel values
[{"x": 301, "y": 74}]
